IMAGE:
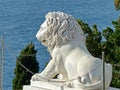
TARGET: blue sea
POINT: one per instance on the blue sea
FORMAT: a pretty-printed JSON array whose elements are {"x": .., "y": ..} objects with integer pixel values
[{"x": 21, "y": 19}]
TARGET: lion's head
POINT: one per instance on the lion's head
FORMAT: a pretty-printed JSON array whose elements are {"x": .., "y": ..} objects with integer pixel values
[{"x": 59, "y": 28}]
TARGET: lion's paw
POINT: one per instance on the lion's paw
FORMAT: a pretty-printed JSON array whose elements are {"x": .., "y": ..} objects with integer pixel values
[{"x": 38, "y": 77}]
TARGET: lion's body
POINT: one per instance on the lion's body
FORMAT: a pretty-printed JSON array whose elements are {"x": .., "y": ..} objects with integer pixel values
[{"x": 70, "y": 57}]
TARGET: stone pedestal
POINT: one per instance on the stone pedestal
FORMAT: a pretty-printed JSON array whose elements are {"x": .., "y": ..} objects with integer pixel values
[{"x": 52, "y": 85}]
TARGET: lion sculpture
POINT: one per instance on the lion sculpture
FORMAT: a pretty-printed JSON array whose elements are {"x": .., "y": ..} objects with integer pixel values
[{"x": 64, "y": 38}]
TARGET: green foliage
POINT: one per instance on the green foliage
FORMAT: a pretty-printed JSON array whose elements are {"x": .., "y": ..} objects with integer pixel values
[
  {"x": 27, "y": 57},
  {"x": 112, "y": 50},
  {"x": 93, "y": 38},
  {"x": 117, "y": 4},
  {"x": 110, "y": 45}
]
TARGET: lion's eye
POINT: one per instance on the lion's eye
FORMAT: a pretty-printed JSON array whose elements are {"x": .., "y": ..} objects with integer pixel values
[{"x": 43, "y": 28}]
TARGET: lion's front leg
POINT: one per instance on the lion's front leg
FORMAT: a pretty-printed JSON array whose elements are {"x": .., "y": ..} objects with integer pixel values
[{"x": 48, "y": 73}]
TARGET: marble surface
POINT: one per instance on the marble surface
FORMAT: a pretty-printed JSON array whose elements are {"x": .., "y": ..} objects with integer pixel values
[{"x": 39, "y": 85}]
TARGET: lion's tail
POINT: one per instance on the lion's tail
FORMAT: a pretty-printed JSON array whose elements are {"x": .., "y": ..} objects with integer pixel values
[{"x": 97, "y": 85}]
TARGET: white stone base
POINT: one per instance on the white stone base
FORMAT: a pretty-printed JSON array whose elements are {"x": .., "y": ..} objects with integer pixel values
[
  {"x": 28, "y": 87},
  {"x": 39, "y": 85}
]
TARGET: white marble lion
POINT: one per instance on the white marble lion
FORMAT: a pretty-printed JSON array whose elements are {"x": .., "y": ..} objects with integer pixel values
[{"x": 64, "y": 38}]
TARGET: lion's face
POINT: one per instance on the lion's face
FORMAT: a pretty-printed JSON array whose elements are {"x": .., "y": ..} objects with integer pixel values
[{"x": 42, "y": 34}]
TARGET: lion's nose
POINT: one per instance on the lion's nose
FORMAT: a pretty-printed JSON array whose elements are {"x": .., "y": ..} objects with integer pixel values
[{"x": 38, "y": 35}]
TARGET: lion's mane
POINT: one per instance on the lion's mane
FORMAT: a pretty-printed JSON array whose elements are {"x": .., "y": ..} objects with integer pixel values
[{"x": 61, "y": 27}]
